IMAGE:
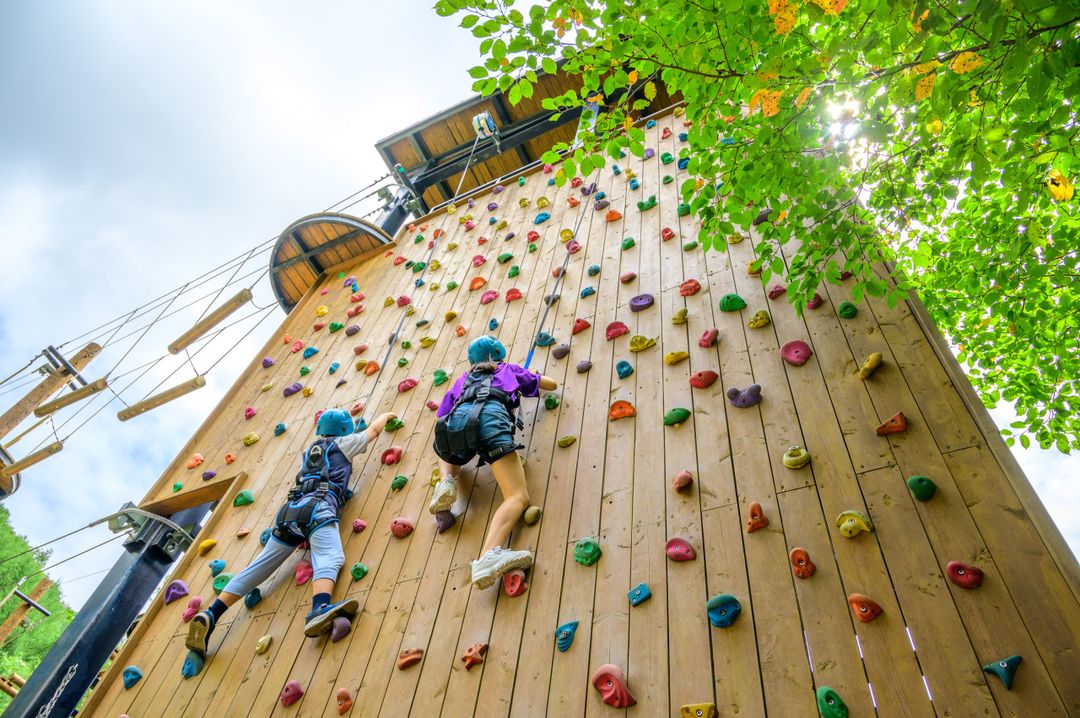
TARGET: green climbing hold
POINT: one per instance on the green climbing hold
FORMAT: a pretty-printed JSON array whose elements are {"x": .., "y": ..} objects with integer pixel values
[
  {"x": 177, "y": 486},
  {"x": 647, "y": 204},
  {"x": 922, "y": 487},
  {"x": 418, "y": 239},
  {"x": 514, "y": 271},
  {"x": 359, "y": 570},
  {"x": 684, "y": 209},
  {"x": 451, "y": 285},
  {"x": 441, "y": 377},
  {"x": 566, "y": 441},
  {"x": 829, "y": 703},
  {"x": 399, "y": 483},
  {"x": 521, "y": 181},
  {"x": 690, "y": 246},
  {"x": 667, "y": 179},
  {"x": 406, "y": 344},
  {"x": 221, "y": 582},
  {"x": 341, "y": 275},
  {"x": 394, "y": 424},
  {"x": 532, "y": 515},
  {"x": 628, "y": 243},
  {"x": 732, "y": 303},
  {"x": 422, "y": 322},
  {"x": 305, "y": 370},
  {"x": 504, "y": 258},
  {"x": 667, "y": 158},
  {"x": 676, "y": 416},
  {"x": 402, "y": 361},
  {"x": 244, "y": 498},
  {"x": 336, "y": 326},
  {"x": 847, "y": 310},
  {"x": 624, "y": 369},
  {"x": 418, "y": 267},
  {"x": 532, "y": 247},
  {"x": 587, "y": 551},
  {"x": 551, "y": 401}
]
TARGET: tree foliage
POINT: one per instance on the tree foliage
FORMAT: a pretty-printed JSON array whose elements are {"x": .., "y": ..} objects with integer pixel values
[{"x": 940, "y": 136}]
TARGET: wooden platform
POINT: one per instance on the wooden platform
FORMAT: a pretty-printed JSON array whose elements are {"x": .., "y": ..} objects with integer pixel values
[{"x": 922, "y": 657}]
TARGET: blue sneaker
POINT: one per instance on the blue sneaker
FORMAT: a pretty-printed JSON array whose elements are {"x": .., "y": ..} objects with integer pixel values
[
  {"x": 322, "y": 620},
  {"x": 198, "y": 637}
]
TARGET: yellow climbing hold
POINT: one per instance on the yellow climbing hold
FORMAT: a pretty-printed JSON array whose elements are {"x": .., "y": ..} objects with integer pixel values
[
  {"x": 427, "y": 342},
  {"x": 870, "y": 365},
  {"x": 524, "y": 202},
  {"x": 542, "y": 202},
  {"x": 673, "y": 358},
  {"x": 679, "y": 317},
  {"x": 566, "y": 235},
  {"x": 639, "y": 343},
  {"x": 735, "y": 238},
  {"x": 434, "y": 264},
  {"x": 410, "y": 310},
  {"x": 322, "y": 310},
  {"x": 388, "y": 302},
  {"x": 206, "y": 546},
  {"x": 268, "y": 386},
  {"x": 450, "y": 316},
  {"x": 435, "y": 476},
  {"x": 308, "y": 391},
  {"x": 759, "y": 319},
  {"x": 451, "y": 208},
  {"x": 451, "y": 246},
  {"x": 251, "y": 438},
  {"x": 501, "y": 224},
  {"x": 566, "y": 441}
]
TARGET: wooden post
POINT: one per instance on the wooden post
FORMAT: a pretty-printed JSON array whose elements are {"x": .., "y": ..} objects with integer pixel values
[
  {"x": 70, "y": 398},
  {"x": 22, "y": 609},
  {"x": 158, "y": 399},
  {"x": 48, "y": 386},
  {"x": 17, "y": 680},
  {"x": 8, "y": 687},
  {"x": 203, "y": 326},
  {"x": 31, "y": 459}
]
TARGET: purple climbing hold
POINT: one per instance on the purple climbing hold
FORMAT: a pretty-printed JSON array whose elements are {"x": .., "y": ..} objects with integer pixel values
[
  {"x": 745, "y": 398},
  {"x": 492, "y": 206},
  {"x": 176, "y": 589},
  {"x": 588, "y": 189},
  {"x": 292, "y": 389},
  {"x": 444, "y": 520},
  {"x": 267, "y": 362},
  {"x": 561, "y": 351},
  {"x": 649, "y": 153},
  {"x": 207, "y": 475},
  {"x": 601, "y": 204},
  {"x": 640, "y": 302},
  {"x": 352, "y": 330},
  {"x": 341, "y": 627},
  {"x": 583, "y": 366}
]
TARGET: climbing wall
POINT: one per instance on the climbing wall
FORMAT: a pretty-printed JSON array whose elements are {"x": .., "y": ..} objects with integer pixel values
[{"x": 615, "y": 484}]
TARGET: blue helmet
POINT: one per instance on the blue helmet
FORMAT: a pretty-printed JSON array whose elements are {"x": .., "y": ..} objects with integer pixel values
[
  {"x": 486, "y": 348},
  {"x": 334, "y": 422}
]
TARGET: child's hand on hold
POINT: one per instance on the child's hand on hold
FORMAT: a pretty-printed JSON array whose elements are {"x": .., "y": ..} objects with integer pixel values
[{"x": 380, "y": 421}]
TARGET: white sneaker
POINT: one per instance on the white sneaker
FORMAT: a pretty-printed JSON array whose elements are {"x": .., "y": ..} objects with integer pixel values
[
  {"x": 490, "y": 567},
  {"x": 444, "y": 496}
]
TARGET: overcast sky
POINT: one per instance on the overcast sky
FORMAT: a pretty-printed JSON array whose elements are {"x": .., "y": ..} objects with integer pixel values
[{"x": 144, "y": 143}]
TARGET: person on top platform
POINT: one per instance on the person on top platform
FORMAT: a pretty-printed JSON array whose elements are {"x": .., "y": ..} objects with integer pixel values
[
  {"x": 477, "y": 418},
  {"x": 311, "y": 514}
]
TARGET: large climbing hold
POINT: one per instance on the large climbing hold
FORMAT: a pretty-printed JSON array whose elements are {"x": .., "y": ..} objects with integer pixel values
[
  {"x": 744, "y": 398},
  {"x": 175, "y": 590},
  {"x": 401, "y": 527},
  {"x": 866, "y": 609},
  {"x": 639, "y": 343},
  {"x": 796, "y": 352},
  {"x": 703, "y": 379},
  {"x": 1005, "y": 669},
  {"x": 610, "y": 681},
  {"x": 689, "y": 288},
  {"x": 620, "y": 409},
  {"x": 551, "y": 401},
  {"x": 682, "y": 481},
  {"x": 829, "y": 704},
  {"x": 253, "y": 598},
  {"x": 870, "y": 365},
  {"x": 801, "y": 565},
  {"x": 193, "y": 606},
  {"x": 796, "y": 457},
  {"x": 777, "y": 290},
  {"x": 564, "y": 636},
  {"x": 922, "y": 487},
  {"x": 593, "y": 270},
  {"x": 852, "y": 523},
  {"x": 732, "y": 303},
  {"x": 723, "y": 609},
  {"x": 131, "y": 676},
  {"x": 709, "y": 338},
  {"x": 641, "y": 302},
  {"x": 474, "y": 655},
  {"x": 221, "y": 582},
  {"x": 963, "y": 575},
  {"x": 407, "y": 384},
  {"x": 292, "y": 389},
  {"x": 532, "y": 515},
  {"x": 440, "y": 377},
  {"x": 409, "y": 657},
  {"x": 513, "y": 294},
  {"x": 676, "y": 416},
  {"x": 206, "y": 545},
  {"x": 698, "y": 710},
  {"x": 514, "y": 583},
  {"x": 193, "y": 665},
  {"x": 310, "y": 352},
  {"x": 587, "y": 551},
  {"x": 399, "y": 483},
  {"x": 244, "y": 498},
  {"x": 489, "y": 296},
  {"x": 757, "y": 518},
  {"x": 893, "y": 425},
  {"x": 679, "y": 549},
  {"x": 639, "y": 594},
  {"x": 566, "y": 441},
  {"x": 561, "y": 351},
  {"x": 580, "y": 325},
  {"x": 616, "y": 329},
  {"x": 291, "y": 693},
  {"x": 344, "y": 701}
]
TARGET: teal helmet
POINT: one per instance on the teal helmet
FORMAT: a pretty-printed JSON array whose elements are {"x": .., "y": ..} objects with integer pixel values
[
  {"x": 486, "y": 348},
  {"x": 334, "y": 422}
]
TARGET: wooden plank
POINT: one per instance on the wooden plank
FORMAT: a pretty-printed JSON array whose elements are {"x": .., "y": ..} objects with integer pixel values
[
  {"x": 22, "y": 609},
  {"x": 48, "y": 386}
]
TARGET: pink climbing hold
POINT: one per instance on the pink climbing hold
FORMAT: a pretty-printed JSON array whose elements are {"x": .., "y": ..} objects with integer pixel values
[
  {"x": 679, "y": 549},
  {"x": 610, "y": 681},
  {"x": 616, "y": 329},
  {"x": 777, "y": 290},
  {"x": 297, "y": 346},
  {"x": 406, "y": 385},
  {"x": 708, "y": 339},
  {"x": 356, "y": 410},
  {"x": 548, "y": 169},
  {"x": 432, "y": 405},
  {"x": 401, "y": 527},
  {"x": 815, "y": 301},
  {"x": 318, "y": 325},
  {"x": 351, "y": 313},
  {"x": 249, "y": 413},
  {"x": 796, "y": 352},
  {"x": 193, "y": 605},
  {"x": 703, "y": 379},
  {"x": 303, "y": 572},
  {"x": 358, "y": 350},
  {"x": 627, "y": 277},
  {"x": 403, "y": 301},
  {"x": 689, "y": 288},
  {"x": 291, "y": 693},
  {"x": 682, "y": 481},
  {"x": 479, "y": 260},
  {"x": 358, "y": 525},
  {"x": 489, "y": 296},
  {"x": 580, "y": 325},
  {"x": 392, "y": 455},
  {"x": 399, "y": 260},
  {"x": 513, "y": 293},
  {"x": 573, "y": 247},
  {"x": 514, "y": 583}
]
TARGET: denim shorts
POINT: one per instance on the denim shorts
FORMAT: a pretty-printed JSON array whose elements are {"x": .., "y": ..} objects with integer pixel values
[{"x": 496, "y": 429}]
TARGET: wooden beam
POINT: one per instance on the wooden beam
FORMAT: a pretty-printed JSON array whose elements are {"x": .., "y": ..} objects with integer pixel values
[
  {"x": 23, "y": 609},
  {"x": 164, "y": 397},
  {"x": 30, "y": 459},
  {"x": 499, "y": 101},
  {"x": 65, "y": 399},
  {"x": 48, "y": 386},
  {"x": 206, "y": 323},
  {"x": 8, "y": 687},
  {"x": 203, "y": 493}
]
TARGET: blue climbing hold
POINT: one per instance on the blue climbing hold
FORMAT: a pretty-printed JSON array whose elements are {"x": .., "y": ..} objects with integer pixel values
[
  {"x": 683, "y": 137},
  {"x": 723, "y": 609},
  {"x": 543, "y": 339},
  {"x": 634, "y": 184},
  {"x": 593, "y": 270},
  {"x": 492, "y": 220},
  {"x": 133, "y": 675},
  {"x": 419, "y": 282},
  {"x": 216, "y": 566},
  {"x": 650, "y": 124},
  {"x": 279, "y": 429},
  {"x": 493, "y": 324},
  {"x": 1005, "y": 669},
  {"x": 588, "y": 292},
  {"x": 334, "y": 367},
  {"x": 253, "y": 598},
  {"x": 193, "y": 665},
  {"x": 639, "y": 594},
  {"x": 624, "y": 369},
  {"x": 310, "y": 352},
  {"x": 551, "y": 181},
  {"x": 564, "y": 636},
  {"x": 600, "y": 195},
  {"x": 265, "y": 536},
  {"x": 683, "y": 163},
  {"x": 616, "y": 170},
  {"x": 361, "y": 425},
  {"x": 541, "y": 218}
]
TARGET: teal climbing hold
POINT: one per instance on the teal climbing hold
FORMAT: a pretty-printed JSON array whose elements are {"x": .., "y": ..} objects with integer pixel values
[
  {"x": 543, "y": 339},
  {"x": 1005, "y": 669},
  {"x": 216, "y": 566},
  {"x": 639, "y": 594},
  {"x": 394, "y": 424},
  {"x": 334, "y": 366},
  {"x": 829, "y": 703},
  {"x": 193, "y": 665},
  {"x": 253, "y": 598},
  {"x": 541, "y": 218},
  {"x": 310, "y": 352},
  {"x": 649, "y": 124},
  {"x": 358, "y": 571},
  {"x": 723, "y": 609},
  {"x": 634, "y": 184},
  {"x": 551, "y": 401},
  {"x": 244, "y": 498},
  {"x": 493, "y": 324},
  {"x": 564, "y": 636},
  {"x": 264, "y": 535},
  {"x": 732, "y": 303},
  {"x": 399, "y": 483},
  {"x": 221, "y": 582},
  {"x": 587, "y": 551},
  {"x": 616, "y": 170},
  {"x": 593, "y": 270},
  {"x": 922, "y": 487},
  {"x": 521, "y": 181},
  {"x": 624, "y": 369},
  {"x": 422, "y": 322},
  {"x": 846, "y": 310},
  {"x": 588, "y": 292},
  {"x": 279, "y": 429},
  {"x": 132, "y": 675},
  {"x": 683, "y": 137},
  {"x": 628, "y": 243}
]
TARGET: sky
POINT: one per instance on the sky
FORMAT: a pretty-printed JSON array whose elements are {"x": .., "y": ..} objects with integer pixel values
[{"x": 143, "y": 144}]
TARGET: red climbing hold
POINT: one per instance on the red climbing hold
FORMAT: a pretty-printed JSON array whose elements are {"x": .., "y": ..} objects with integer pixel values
[
  {"x": 304, "y": 572},
  {"x": 357, "y": 409},
  {"x": 801, "y": 565},
  {"x": 291, "y": 693},
  {"x": 667, "y": 233},
  {"x": 297, "y": 346},
  {"x": 432, "y": 404},
  {"x": 576, "y": 182},
  {"x": 610, "y": 681},
  {"x": 703, "y": 379},
  {"x": 353, "y": 311},
  {"x": 895, "y": 424},
  {"x": 392, "y": 455},
  {"x": 757, "y": 520},
  {"x": 689, "y": 288},
  {"x": 616, "y": 329},
  {"x": 777, "y": 290},
  {"x": 680, "y": 550},
  {"x": 815, "y": 301},
  {"x": 406, "y": 385},
  {"x": 399, "y": 260},
  {"x": 666, "y": 134},
  {"x": 708, "y": 339},
  {"x": 580, "y": 325},
  {"x": 513, "y": 293},
  {"x": 481, "y": 240},
  {"x": 514, "y": 583},
  {"x": 360, "y": 349},
  {"x": 865, "y": 608},
  {"x": 573, "y": 247},
  {"x": 403, "y": 301},
  {"x": 344, "y": 701},
  {"x": 401, "y": 527},
  {"x": 474, "y": 655},
  {"x": 533, "y": 236},
  {"x": 357, "y": 297},
  {"x": 682, "y": 481},
  {"x": 317, "y": 326},
  {"x": 964, "y": 576},
  {"x": 229, "y": 458},
  {"x": 627, "y": 277},
  {"x": 358, "y": 525},
  {"x": 796, "y": 352},
  {"x": 409, "y": 657},
  {"x": 479, "y": 260},
  {"x": 489, "y": 296}
]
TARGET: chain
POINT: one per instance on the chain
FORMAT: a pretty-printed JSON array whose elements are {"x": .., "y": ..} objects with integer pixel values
[{"x": 48, "y": 707}]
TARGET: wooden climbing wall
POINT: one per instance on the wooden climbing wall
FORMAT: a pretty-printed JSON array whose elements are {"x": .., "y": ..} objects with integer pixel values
[{"x": 921, "y": 657}]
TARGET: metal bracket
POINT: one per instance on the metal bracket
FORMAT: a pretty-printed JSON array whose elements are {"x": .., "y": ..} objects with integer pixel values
[{"x": 148, "y": 530}]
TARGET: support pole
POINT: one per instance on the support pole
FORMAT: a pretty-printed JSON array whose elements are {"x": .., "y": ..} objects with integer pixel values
[
  {"x": 48, "y": 386},
  {"x": 157, "y": 400},
  {"x": 31, "y": 459},
  {"x": 23, "y": 609}
]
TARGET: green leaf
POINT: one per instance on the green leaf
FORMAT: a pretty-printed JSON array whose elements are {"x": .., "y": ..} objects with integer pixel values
[{"x": 549, "y": 66}]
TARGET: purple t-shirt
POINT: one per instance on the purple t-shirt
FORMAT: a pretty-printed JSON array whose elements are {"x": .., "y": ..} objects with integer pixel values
[{"x": 517, "y": 381}]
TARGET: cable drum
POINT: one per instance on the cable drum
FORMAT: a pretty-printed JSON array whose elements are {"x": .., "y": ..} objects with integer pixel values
[
  {"x": 484, "y": 125},
  {"x": 10, "y": 484}
]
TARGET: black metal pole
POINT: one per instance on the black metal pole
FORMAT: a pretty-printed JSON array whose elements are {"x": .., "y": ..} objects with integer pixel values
[{"x": 68, "y": 670}]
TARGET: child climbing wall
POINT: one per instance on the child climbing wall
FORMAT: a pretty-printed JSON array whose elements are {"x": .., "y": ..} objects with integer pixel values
[{"x": 734, "y": 511}]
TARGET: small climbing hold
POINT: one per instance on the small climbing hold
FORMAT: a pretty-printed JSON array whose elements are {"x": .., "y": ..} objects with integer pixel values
[
  {"x": 310, "y": 352},
  {"x": 244, "y": 498},
  {"x": 616, "y": 329},
  {"x": 698, "y": 710},
  {"x": 318, "y": 326},
  {"x": 243, "y": 532},
  {"x": 334, "y": 366},
  {"x": 264, "y": 535},
  {"x": 601, "y": 204},
  {"x": 690, "y": 246},
  {"x": 407, "y": 385},
  {"x": 624, "y": 369},
  {"x": 628, "y": 243},
  {"x": 444, "y": 521},
  {"x": 193, "y": 665},
  {"x": 689, "y": 288},
  {"x": 513, "y": 294},
  {"x": 353, "y": 329},
  {"x": 1005, "y": 669},
  {"x": 682, "y": 481},
  {"x": 206, "y": 546},
  {"x": 514, "y": 583},
  {"x": 649, "y": 153},
  {"x": 894, "y": 425},
  {"x": 673, "y": 358},
  {"x": 229, "y": 458},
  {"x": 620, "y": 409},
  {"x": 679, "y": 317},
  {"x": 815, "y": 301},
  {"x": 612, "y": 215},
  {"x": 304, "y": 371},
  {"x": 610, "y": 681},
  {"x": 195, "y": 461},
  {"x": 358, "y": 350},
  {"x": 175, "y": 590},
  {"x": 460, "y": 330},
  {"x": 561, "y": 351},
  {"x": 588, "y": 292},
  {"x": 723, "y": 609},
  {"x": 866, "y": 609},
  {"x": 796, "y": 352},
  {"x": 193, "y": 606},
  {"x": 566, "y": 441},
  {"x": 679, "y": 549},
  {"x": 676, "y": 416},
  {"x": 441, "y": 377},
  {"x": 409, "y": 657},
  {"x": 427, "y": 342},
  {"x": 474, "y": 655},
  {"x": 829, "y": 704},
  {"x": 796, "y": 457},
  {"x": 297, "y": 346},
  {"x": 846, "y": 310},
  {"x": 177, "y": 486},
  {"x": 303, "y": 572},
  {"x": 551, "y": 299},
  {"x": 291, "y": 693},
  {"x": 870, "y": 365},
  {"x": 532, "y": 515},
  {"x": 358, "y": 571},
  {"x": 476, "y": 283},
  {"x": 744, "y": 398},
  {"x": 267, "y": 386},
  {"x": 358, "y": 525},
  {"x": 683, "y": 209},
  {"x": 279, "y": 429},
  {"x": 551, "y": 401},
  {"x": 757, "y": 518},
  {"x": 703, "y": 379},
  {"x": 634, "y": 183},
  {"x": 852, "y": 523},
  {"x": 131, "y": 676},
  {"x": 777, "y": 290},
  {"x": 393, "y": 424},
  {"x": 641, "y": 302},
  {"x": 543, "y": 216},
  {"x": 639, "y": 594},
  {"x": 291, "y": 389},
  {"x": 401, "y": 527},
  {"x": 801, "y": 565},
  {"x": 221, "y": 582},
  {"x": 922, "y": 487},
  {"x": 583, "y": 366},
  {"x": 543, "y": 339},
  {"x": 627, "y": 277},
  {"x": 253, "y": 598},
  {"x": 963, "y": 575},
  {"x": 399, "y": 483},
  {"x": 588, "y": 189},
  {"x": 639, "y": 343},
  {"x": 732, "y": 303},
  {"x": 267, "y": 362},
  {"x": 759, "y": 319},
  {"x": 587, "y": 551},
  {"x": 489, "y": 296},
  {"x": 564, "y": 636},
  {"x": 708, "y": 339}
]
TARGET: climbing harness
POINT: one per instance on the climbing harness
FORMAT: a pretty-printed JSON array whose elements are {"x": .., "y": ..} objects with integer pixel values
[
  {"x": 461, "y": 445},
  {"x": 293, "y": 522}
]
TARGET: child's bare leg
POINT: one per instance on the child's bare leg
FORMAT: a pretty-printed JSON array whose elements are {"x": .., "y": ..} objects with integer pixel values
[{"x": 510, "y": 475}]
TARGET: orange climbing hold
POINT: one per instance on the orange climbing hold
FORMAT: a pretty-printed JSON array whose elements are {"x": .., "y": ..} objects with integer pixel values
[
  {"x": 757, "y": 520},
  {"x": 866, "y": 609},
  {"x": 894, "y": 425},
  {"x": 371, "y": 367},
  {"x": 460, "y": 330},
  {"x": 801, "y": 565},
  {"x": 573, "y": 201},
  {"x": 474, "y": 655},
  {"x": 612, "y": 215},
  {"x": 409, "y": 657},
  {"x": 195, "y": 460},
  {"x": 620, "y": 410},
  {"x": 476, "y": 283}
]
